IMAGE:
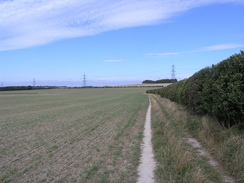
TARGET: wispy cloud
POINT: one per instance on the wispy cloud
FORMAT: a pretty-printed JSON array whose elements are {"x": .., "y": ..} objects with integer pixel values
[
  {"x": 208, "y": 48},
  {"x": 26, "y": 23},
  {"x": 162, "y": 54},
  {"x": 112, "y": 60},
  {"x": 222, "y": 47}
]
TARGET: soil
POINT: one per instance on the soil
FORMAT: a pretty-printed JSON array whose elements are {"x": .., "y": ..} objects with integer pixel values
[
  {"x": 147, "y": 166},
  {"x": 90, "y": 135}
]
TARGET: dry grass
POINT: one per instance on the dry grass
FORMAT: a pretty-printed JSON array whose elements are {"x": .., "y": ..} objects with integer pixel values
[
  {"x": 227, "y": 145},
  {"x": 172, "y": 126},
  {"x": 177, "y": 161},
  {"x": 78, "y": 135}
]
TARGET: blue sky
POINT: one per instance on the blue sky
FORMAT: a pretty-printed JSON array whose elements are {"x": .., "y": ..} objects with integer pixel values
[{"x": 114, "y": 42}]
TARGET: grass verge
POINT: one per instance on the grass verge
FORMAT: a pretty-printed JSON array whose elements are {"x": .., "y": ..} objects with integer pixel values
[
  {"x": 226, "y": 145},
  {"x": 177, "y": 160}
]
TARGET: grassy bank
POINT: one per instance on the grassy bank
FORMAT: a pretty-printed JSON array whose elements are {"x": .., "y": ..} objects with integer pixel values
[{"x": 180, "y": 162}]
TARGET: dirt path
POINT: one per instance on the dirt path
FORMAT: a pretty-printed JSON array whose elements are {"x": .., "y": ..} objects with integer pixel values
[
  {"x": 202, "y": 152},
  {"x": 147, "y": 166}
]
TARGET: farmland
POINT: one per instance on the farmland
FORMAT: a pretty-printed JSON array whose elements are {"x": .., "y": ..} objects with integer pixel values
[{"x": 71, "y": 135}]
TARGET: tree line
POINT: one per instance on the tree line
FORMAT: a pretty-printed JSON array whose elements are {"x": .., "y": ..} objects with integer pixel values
[
  {"x": 160, "y": 81},
  {"x": 14, "y": 88}
]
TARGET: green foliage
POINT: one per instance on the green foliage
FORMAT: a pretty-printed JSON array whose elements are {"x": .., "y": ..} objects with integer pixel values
[
  {"x": 216, "y": 90},
  {"x": 13, "y": 88},
  {"x": 161, "y": 81}
]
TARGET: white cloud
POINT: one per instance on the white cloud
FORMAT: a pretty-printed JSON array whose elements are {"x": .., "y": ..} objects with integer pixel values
[
  {"x": 222, "y": 47},
  {"x": 208, "y": 48},
  {"x": 163, "y": 54},
  {"x": 26, "y": 23},
  {"x": 112, "y": 60}
]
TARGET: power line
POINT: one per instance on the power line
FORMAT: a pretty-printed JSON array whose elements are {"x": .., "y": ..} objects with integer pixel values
[
  {"x": 173, "y": 72},
  {"x": 84, "y": 80},
  {"x": 34, "y": 82}
]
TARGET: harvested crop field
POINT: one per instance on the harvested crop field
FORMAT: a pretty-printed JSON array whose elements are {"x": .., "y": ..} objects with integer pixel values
[{"x": 71, "y": 135}]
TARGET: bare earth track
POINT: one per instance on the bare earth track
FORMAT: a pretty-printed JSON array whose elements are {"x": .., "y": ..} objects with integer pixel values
[
  {"x": 147, "y": 166},
  {"x": 204, "y": 153}
]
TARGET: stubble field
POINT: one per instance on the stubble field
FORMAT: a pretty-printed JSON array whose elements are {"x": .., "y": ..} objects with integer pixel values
[{"x": 71, "y": 135}]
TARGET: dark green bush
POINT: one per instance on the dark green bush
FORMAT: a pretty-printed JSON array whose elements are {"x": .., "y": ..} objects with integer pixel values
[
  {"x": 13, "y": 88},
  {"x": 161, "y": 81},
  {"x": 216, "y": 90}
]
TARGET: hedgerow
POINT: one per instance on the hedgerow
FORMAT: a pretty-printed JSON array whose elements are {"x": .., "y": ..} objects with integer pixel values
[
  {"x": 217, "y": 91},
  {"x": 13, "y": 88},
  {"x": 161, "y": 81}
]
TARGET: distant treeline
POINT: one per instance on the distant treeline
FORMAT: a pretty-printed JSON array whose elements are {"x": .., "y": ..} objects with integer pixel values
[
  {"x": 217, "y": 91},
  {"x": 14, "y": 88},
  {"x": 160, "y": 81}
]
